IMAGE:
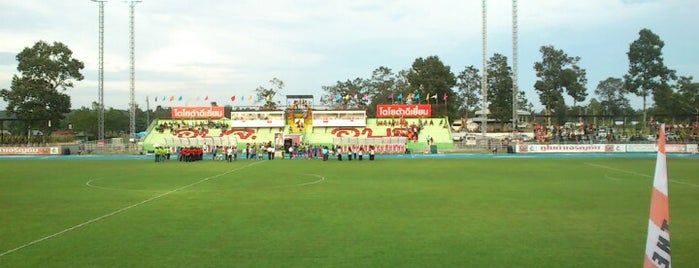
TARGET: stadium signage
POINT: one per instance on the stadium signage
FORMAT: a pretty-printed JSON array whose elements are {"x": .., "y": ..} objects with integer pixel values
[
  {"x": 605, "y": 148},
  {"x": 258, "y": 123},
  {"x": 28, "y": 150},
  {"x": 565, "y": 148},
  {"x": 403, "y": 110},
  {"x": 197, "y": 112},
  {"x": 325, "y": 122}
]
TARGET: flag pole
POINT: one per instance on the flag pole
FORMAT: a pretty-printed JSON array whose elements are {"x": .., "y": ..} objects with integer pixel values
[
  {"x": 446, "y": 102},
  {"x": 147, "y": 111},
  {"x": 658, "y": 240}
]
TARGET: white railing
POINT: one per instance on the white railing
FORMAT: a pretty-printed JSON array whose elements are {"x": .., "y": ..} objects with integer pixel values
[{"x": 210, "y": 141}]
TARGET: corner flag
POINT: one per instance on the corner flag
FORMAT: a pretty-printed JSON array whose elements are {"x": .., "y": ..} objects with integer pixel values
[{"x": 658, "y": 239}]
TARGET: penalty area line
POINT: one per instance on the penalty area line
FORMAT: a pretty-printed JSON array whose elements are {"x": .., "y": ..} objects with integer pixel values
[
  {"x": 124, "y": 209},
  {"x": 303, "y": 184},
  {"x": 640, "y": 174}
]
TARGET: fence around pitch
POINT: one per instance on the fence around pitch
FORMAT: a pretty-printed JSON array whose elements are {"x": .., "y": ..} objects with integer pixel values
[{"x": 381, "y": 145}]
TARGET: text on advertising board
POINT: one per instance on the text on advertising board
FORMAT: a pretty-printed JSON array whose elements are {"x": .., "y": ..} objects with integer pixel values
[
  {"x": 404, "y": 110},
  {"x": 197, "y": 112}
]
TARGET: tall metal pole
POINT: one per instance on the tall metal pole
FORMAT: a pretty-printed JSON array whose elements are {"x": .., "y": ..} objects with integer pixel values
[
  {"x": 132, "y": 87},
  {"x": 100, "y": 73},
  {"x": 147, "y": 112},
  {"x": 515, "y": 88},
  {"x": 484, "y": 77}
]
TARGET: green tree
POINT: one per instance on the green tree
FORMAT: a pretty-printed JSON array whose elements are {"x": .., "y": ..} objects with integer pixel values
[
  {"x": 468, "y": 84},
  {"x": 612, "y": 97},
  {"x": 116, "y": 123},
  {"x": 499, "y": 89},
  {"x": 523, "y": 103},
  {"x": 37, "y": 93},
  {"x": 431, "y": 76},
  {"x": 381, "y": 84},
  {"x": 574, "y": 79},
  {"x": 162, "y": 112},
  {"x": 402, "y": 86},
  {"x": 666, "y": 103},
  {"x": 647, "y": 72},
  {"x": 83, "y": 120},
  {"x": 557, "y": 72},
  {"x": 346, "y": 95},
  {"x": 592, "y": 109},
  {"x": 142, "y": 122},
  {"x": 266, "y": 94},
  {"x": 688, "y": 98}
]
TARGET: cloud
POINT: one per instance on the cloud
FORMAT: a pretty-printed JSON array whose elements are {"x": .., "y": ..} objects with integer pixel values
[{"x": 231, "y": 47}]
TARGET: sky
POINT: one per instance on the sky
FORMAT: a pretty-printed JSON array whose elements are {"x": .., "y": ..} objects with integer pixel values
[{"x": 220, "y": 48}]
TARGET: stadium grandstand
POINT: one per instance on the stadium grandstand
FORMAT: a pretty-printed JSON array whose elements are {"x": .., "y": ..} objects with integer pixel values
[{"x": 399, "y": 128}]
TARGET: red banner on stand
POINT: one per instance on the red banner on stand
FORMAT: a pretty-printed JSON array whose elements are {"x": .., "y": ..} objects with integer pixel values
[
  {"x": 403, "y": 110},
  {"x": 197, "y": 112}
]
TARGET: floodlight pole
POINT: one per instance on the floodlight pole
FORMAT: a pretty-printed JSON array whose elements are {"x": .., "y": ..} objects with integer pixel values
[
  {"x": 514, "y": 68},
  {"x": 100, "y": 73},
  {"x": 132, "y": 87},
  {"x": 484, "y": 77}
]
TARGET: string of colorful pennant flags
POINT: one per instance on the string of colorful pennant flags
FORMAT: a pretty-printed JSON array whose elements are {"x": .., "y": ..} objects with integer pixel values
[
  {"x": 393, "y": 97},
  {"x": 410, "y": 97},
  {"x": 233, "y": 98}
]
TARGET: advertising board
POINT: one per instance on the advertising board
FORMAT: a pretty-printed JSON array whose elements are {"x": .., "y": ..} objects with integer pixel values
[
  {"x": 403, "y": 110},
  {"x": 29, "y": 150},
  {"x": 197, "y": 112}
]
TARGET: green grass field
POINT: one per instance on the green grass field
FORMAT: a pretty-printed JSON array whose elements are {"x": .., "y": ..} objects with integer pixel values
[{"x": 507, "y": 212}]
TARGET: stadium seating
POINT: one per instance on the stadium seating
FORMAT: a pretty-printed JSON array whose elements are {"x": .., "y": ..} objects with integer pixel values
[
  {"x": 192, "y": 133},
  {"x": 179, "y": 132}
]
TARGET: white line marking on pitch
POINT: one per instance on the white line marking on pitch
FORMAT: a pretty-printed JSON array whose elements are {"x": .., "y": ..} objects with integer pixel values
[
  {"x": 640, "y": 174},
  {"x": 304, "y": 184},
  {"x": 611, "y": 178},
  {"x": 89, "y": 184},
  {"x": 124, "y": 209}
]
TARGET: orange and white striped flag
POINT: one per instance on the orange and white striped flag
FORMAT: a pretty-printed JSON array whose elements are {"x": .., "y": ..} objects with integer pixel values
[{"x": 658, "y": 240}]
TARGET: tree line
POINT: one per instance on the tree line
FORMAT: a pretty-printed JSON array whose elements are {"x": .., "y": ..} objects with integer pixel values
[{"x": 46, "y": 71}]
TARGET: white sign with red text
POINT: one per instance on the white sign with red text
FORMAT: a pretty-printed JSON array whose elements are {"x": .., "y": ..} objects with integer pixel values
[
  {"x": 28, "y": 150},
  {"x": 197, "y": 112},
  {"x": 570, "y": 148},
  {"x": 258, "y": 123},
  {"x": 604, "y": 148},
  {"x": 641, "y": 148},
  {"x": 326, "y": 122},
  {"x": 403, "y": 110}
]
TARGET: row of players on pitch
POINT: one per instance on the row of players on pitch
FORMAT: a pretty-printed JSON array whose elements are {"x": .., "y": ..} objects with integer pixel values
[
  {"x": 230, "y": 153},
  {"x": 295, "y": 151},
  {"x": 185, "y": 154}
]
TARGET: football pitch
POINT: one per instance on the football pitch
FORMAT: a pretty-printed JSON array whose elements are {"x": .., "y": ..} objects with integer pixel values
[{"x": 475, "y": 212}]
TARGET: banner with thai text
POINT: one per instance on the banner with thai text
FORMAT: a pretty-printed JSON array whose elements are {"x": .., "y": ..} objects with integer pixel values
[
  {"x": 328, "y": 122},
  {"x": 567, "y": 148},
  {"x": 29, "y": 150},
  {"x": 197, "y": 112},
  {"x": 640, "y": 148},
  {"x": 403, "y": 110},
  {"x": 604, "y": 148},
  {"x": 258, "y": 123},
  {"x": 339, "y": 118}
]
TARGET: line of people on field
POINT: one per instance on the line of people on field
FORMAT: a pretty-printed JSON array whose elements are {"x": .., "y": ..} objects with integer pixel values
[
  {"x": 189, "y": 154},
  {"x": 353, "y": 152},
  {"x": 161, "y": 153},
  {"x": 258, "y": 151}
]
